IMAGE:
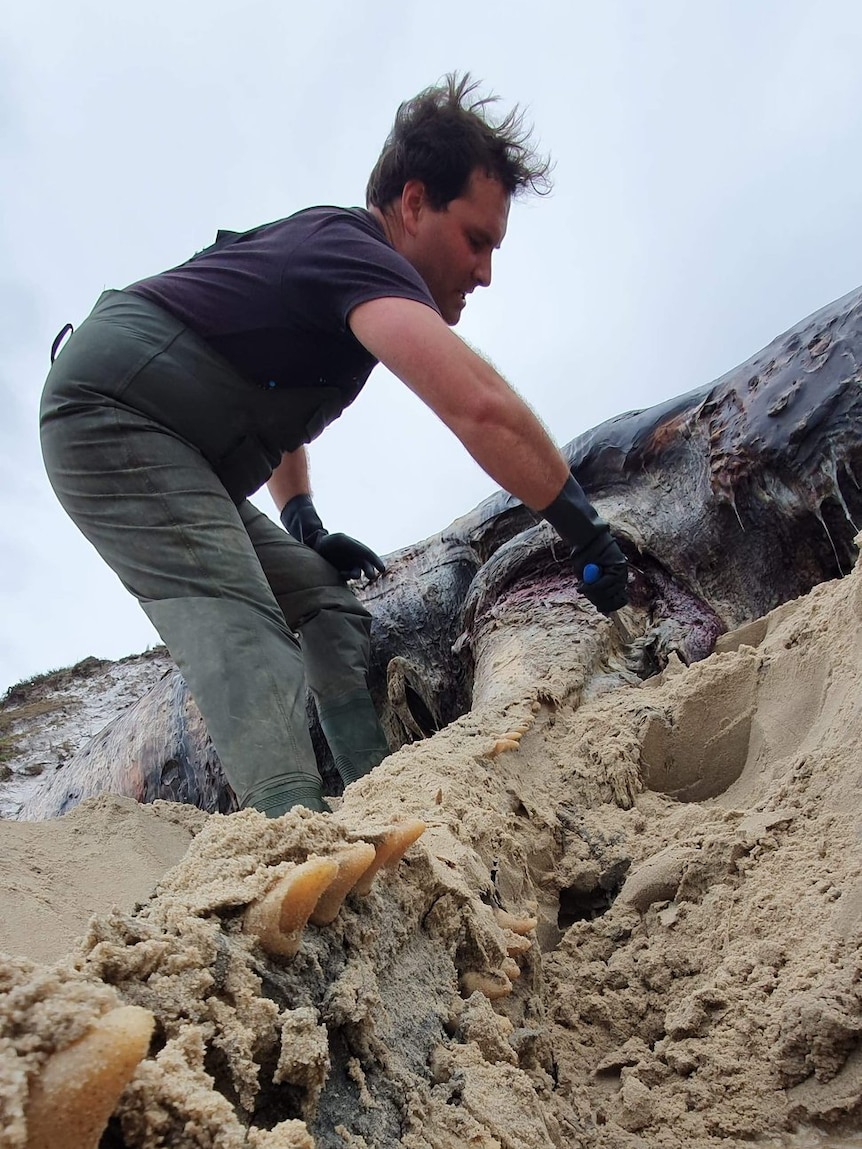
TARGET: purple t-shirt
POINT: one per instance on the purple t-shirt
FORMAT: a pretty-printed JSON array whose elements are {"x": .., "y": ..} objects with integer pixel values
[{"x": 275, "y": 301}]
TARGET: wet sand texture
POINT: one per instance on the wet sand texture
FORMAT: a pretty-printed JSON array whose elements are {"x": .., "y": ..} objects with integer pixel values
[{"x": 633, "y": 919}]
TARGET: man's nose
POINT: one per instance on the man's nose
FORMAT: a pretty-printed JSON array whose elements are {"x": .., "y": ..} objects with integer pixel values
[{"x": 482, "y": 271}]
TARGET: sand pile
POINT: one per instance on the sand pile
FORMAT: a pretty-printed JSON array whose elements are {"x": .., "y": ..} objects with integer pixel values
[{"x": 688, "y": 846}]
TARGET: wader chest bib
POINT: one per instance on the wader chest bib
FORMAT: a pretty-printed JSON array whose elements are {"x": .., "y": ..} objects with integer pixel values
[{"x": 138, "y": 356}]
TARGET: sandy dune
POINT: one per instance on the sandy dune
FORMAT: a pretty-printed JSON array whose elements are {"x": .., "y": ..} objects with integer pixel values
[{"x": 689, "y": 846}]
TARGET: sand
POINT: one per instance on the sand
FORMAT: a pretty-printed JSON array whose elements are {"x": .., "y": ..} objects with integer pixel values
[
  {"x": 55, "y": 875},
  {"x": 690, "y": 847}
]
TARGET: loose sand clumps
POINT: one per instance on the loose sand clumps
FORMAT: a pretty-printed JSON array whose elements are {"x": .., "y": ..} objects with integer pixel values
[
  {"x": 243, "y": 999},
  {"x": 634, "y": 918}
]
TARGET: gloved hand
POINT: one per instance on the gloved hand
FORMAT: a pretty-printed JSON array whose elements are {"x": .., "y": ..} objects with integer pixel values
[
  {"x": 579, "y": 523},
  {"x": 349, "y": 557},
  {"x": 604, "y": 573}
]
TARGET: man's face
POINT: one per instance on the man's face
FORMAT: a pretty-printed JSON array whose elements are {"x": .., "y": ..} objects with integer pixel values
[{"x": 452, "y": 248}]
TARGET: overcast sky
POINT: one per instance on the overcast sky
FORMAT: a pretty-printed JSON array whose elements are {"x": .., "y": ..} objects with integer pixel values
[{"x": 707, "y": 197}]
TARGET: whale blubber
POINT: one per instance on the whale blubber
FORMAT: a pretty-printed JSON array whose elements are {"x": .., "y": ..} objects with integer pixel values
[{"x": 71, "y": 1100}]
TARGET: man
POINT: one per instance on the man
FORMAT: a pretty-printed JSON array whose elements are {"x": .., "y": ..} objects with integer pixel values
[{"x": 181, "y": 395}]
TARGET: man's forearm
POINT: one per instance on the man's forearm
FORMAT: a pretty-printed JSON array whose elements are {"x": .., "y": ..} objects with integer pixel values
[
  {"x": 467, "y": 393},
  {"x": 510, "y": 444},
  {"x": 289, "y": 478}
]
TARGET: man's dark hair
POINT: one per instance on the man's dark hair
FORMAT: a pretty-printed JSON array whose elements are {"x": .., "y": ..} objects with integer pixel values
[{"x": 442, "y": 135}]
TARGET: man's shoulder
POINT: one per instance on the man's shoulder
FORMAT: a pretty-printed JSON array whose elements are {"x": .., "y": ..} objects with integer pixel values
[
  {"x": 323, "y": 220},
  {"x": 315, "y": 233}
]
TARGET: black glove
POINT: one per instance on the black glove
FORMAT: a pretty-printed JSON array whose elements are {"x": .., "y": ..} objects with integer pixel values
[
  {"x": 349, "y": 557},
  {"x": 601, "y": 565}
]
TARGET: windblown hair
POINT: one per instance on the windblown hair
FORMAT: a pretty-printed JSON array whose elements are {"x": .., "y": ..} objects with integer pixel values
[{"x": 442, "y": 135}]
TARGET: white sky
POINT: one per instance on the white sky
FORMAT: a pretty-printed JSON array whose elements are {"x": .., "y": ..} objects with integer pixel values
[{"x": 707, "y": 197}]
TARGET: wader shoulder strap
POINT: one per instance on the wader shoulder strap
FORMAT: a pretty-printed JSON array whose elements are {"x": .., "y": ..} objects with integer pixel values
[{"x": 65, "y": 330}]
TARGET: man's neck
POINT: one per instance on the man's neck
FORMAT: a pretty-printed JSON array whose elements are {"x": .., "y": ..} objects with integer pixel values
[{"x": 390, "y": 223}]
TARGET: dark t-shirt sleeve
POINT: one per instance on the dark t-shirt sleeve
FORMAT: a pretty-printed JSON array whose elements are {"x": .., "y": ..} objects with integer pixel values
[{"x": 340, "y": 265}]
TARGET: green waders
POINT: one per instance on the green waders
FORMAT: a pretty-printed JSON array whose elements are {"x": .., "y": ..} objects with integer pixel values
[{"x": 151, "y": 440}]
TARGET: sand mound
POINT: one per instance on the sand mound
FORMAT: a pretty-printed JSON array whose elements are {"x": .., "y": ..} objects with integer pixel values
[
  {"x": 690, "y": 847},
  {"x": 107, "y": 852}
]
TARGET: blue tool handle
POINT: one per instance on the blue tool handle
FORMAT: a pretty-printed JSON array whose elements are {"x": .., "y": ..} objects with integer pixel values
[{"x": 592, "y": 573}]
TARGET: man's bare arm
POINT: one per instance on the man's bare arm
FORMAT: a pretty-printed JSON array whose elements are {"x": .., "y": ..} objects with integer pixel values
[
  {"x": 474, "y": 401},
  {"x": 289, "y": 478}
]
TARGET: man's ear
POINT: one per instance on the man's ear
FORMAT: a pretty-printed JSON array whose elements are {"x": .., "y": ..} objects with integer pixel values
[{"x": 414, "y": 199}]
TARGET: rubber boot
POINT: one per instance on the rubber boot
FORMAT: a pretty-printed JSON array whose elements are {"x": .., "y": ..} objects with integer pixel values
[
  {"x": 355, "y": 736},
  {"x": 282, "y": 794}
]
